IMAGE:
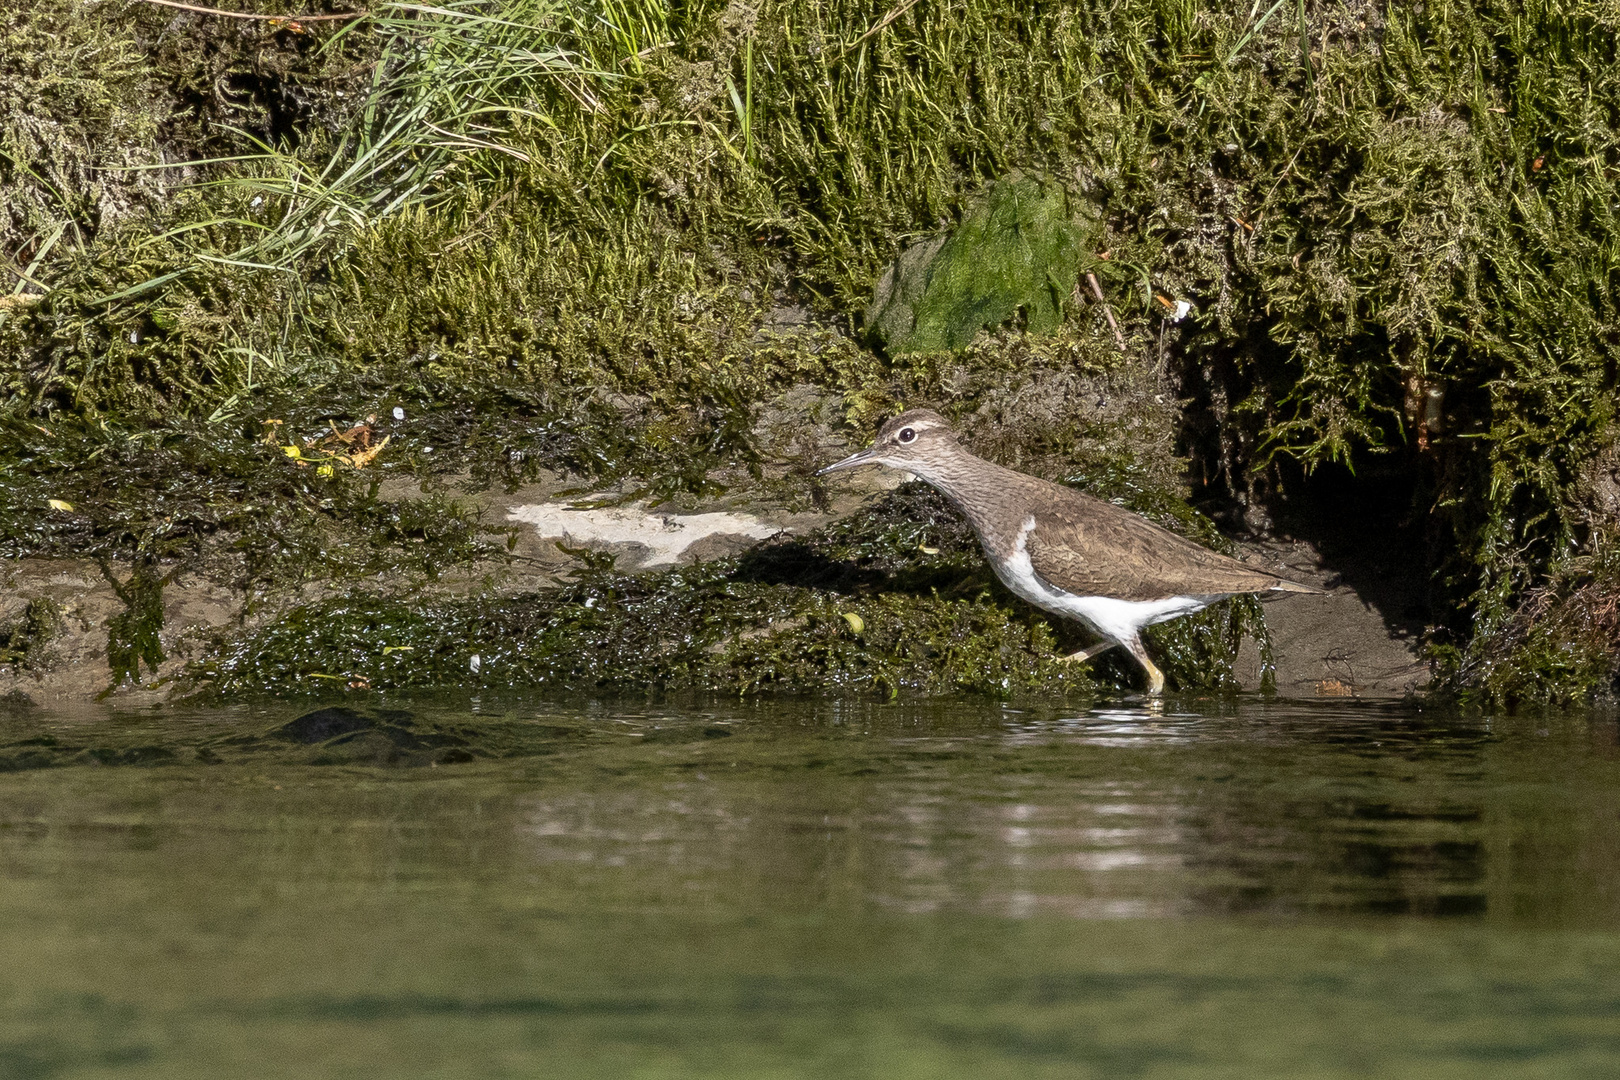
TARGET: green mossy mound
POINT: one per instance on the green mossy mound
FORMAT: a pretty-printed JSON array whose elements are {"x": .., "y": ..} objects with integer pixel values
[
  {"x": 1395, "y": 224},
  {"x": 1559, "y": 645},
  {"x": 1015, "y": 256},
  {"x": 654, "y": 634}
]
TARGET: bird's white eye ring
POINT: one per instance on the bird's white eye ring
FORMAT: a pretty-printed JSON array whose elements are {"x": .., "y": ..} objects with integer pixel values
[{"x": 907, "y": 434}]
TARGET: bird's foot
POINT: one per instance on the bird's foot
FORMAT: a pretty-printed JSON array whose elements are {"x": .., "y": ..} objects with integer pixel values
[
  {"x": 1155, "y": 682},
  {"x": 1155, "y": 686}
]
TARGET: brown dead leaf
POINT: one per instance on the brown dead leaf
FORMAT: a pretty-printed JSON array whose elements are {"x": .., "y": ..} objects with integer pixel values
[{"x": 361, "y": 458}]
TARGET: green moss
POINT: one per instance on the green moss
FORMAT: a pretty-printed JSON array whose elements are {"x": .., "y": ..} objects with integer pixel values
[
  {"x": 133, "y": 634},
  {"x": 23, "y": 641},
  {"x": 1561, "y": 646},
  {"x": 1018, "y": 253},
  {"x": 708, "y": 630}
]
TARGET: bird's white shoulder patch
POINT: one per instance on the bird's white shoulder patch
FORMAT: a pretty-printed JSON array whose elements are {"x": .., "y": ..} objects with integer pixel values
[{"x": 1116, "y": 620}]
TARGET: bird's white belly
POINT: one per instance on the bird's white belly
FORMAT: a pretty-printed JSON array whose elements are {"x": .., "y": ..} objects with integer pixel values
[{"x": 1116, "y": 620}]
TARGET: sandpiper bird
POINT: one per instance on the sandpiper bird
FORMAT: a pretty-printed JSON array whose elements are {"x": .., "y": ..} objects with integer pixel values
[{"x": 1063, "y": 551}]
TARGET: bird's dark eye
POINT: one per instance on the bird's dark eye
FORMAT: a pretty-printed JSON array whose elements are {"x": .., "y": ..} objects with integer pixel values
[{"x": 907, "y": 434}]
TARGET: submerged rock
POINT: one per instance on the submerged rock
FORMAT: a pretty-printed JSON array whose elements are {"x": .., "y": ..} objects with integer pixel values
[
  {"x": 324, "y": 724},
  {"x": 347, "y": 736}
]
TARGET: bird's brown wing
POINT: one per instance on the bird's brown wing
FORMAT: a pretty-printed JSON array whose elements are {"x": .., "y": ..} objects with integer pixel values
[{"x": 1093, "y": 548}]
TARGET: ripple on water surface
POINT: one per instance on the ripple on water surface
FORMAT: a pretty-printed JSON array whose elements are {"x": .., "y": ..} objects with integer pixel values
[{"x": 510, "y": 887}]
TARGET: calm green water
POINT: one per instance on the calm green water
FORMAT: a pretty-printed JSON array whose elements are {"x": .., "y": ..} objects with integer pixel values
[{"x": 512, "y": 888}]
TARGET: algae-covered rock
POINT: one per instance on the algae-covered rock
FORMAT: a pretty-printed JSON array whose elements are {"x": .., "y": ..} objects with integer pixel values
[
  {"x": 926, "y": 620},
  {"x": 1019, "y": 250},
  {"x": 24, "y": 638}
]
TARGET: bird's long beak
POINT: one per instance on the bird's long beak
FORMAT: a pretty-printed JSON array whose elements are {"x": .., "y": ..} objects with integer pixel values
[{"x": 861, "y": 457}]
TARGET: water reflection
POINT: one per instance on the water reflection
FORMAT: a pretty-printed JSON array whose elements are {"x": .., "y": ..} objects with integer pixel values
[
  {"x": 1255, "y": 808},
  {"x": 1113, "y": 813},
  {"x": 808, "y": 890},
  {"x": 1109, "y": 727}
]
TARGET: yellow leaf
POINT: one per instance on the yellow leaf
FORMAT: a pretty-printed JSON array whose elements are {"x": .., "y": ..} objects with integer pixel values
[
  {"x": 361, "y": 458},
  {"x": 926, "y": 550},
  {"x": 398, "y": 648},
  {"x": 59, "y": 504},
  {"x": 856, "y": 623},
  {"x": 292, "y": 451},
  {"x": 324, "y": 470}
]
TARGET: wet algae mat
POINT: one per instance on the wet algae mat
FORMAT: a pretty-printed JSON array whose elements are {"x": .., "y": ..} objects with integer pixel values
[{"x": 507, "y": 887}]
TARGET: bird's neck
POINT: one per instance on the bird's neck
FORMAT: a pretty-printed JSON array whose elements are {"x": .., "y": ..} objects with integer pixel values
[{"x": 980, "y": 489}]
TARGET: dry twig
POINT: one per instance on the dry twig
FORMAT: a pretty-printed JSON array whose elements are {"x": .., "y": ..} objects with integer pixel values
[
  {"x": 248, "y": 15},
  {"x": 903, "y": 7},
  {"x": 1113, "y": 323}
]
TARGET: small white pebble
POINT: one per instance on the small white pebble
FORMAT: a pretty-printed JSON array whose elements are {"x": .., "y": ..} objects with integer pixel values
[
  {"x": 399, "y": 413},
  {"x": 475, "y": 663},
  {"x": 134, "y": 337},
  {"x": 258, "y": 200},
  {"x": 1182, "y": 308}
]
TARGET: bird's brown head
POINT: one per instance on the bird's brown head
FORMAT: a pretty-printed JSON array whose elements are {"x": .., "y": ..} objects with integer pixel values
[{"x": 908, "y": 441}]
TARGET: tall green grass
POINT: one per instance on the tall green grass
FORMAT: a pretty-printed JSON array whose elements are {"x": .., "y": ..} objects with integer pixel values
[{"x": 451, "y": 83}]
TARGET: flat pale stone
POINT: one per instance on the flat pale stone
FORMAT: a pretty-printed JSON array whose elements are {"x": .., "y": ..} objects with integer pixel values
[{"x": 665, "y": 536}]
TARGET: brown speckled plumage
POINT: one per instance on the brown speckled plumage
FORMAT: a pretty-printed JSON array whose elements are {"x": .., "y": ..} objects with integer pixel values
[{"x": 1078, "y": 546}]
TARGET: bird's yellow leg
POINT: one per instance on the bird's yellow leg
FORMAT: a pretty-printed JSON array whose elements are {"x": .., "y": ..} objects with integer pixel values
[
  {"x": 1155, "y": 680},
  {"x": 1091, "y": 650},
  {"x": 1138, "y": 653}
]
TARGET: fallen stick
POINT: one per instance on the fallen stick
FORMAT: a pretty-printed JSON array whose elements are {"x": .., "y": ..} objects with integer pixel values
[
  {"x": 247, "y": 15},
  {"x": 1113, "y": 323}
]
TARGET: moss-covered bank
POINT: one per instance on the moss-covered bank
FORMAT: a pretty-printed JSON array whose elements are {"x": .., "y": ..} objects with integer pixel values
[
  {"x": 895, "y": 599},
  {"x": 1394, "y": 226}
]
